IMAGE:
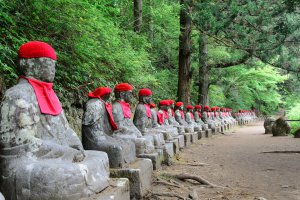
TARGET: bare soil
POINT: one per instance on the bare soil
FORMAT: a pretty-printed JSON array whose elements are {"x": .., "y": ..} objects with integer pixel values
[{"x": 246, "y": 163}]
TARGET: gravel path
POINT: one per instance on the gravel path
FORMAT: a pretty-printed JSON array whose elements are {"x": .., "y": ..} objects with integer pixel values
[{"x": 237, "y": 161}]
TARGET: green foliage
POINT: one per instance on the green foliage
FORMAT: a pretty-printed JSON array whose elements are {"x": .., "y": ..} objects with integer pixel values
[{"x": 294, "y": 114}]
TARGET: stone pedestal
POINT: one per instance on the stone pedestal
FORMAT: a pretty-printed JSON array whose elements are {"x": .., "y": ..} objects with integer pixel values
[
  {"x": 118, "y": 189},
  {"x": 180, "y": 141},
  {"x": 194, "y": 137},
  {"x": 208, "y": 133},
  {"x": 168, "y": 153},
  {"x": 187, "y": 139},
  {"x": 175, "y": 145},
  {"x": 201, "y": 134},
  {"x": 156, "y": 158},
  {"x": 139, "y": 174}
]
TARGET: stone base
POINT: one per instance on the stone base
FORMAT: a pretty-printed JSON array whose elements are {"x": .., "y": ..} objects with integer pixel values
[
  {"x": 175, "y": 145},
  {"x": 139, "y": 174},
  {"x": 201, "y": 134},
  {"x": 180, "y": 141},
  {"x": 118, "y": 189},
  {"x": 187, "y": 139},
  {"x": 222, "y": 129},
  {"x": 168, "y": 153},
  {"x": 154, "y": 157},
  {"x": 194, "y": 137},
  {"x": 208, "y": 133}
]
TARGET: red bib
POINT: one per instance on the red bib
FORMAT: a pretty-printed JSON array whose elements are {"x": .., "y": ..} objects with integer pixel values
[
  {"x": 199, "y": 114},
  {"x": 108, "y": 107},
  {"x": 192, "y": 116},
  {"x": 160, "y": 118},
  {"x": 166, "y": 114},
  {"x": 46, "y": 97},
  {"x": 148, "y": 110},
  {"x": 173, "y": 113},
  {"x": 181, "y": 113},
  {"x": 126, "y": 109}
]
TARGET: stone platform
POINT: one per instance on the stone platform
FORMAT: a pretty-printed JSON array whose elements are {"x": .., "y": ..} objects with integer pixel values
[
  {"x": 139, "y": 174},
  {"x": 118, "y": 189}
]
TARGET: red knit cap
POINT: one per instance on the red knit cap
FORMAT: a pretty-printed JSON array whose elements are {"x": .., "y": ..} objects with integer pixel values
[
  {"x": 190, "y": 107},
  {"x": 222, "y": 109},
  {"x": 99, "y": 92},
  {"x": 198, "y": 106},
  {"x": 206, "y": 108},
  {"x": 123, "y": 87},
  {"x": 152, "y": 105},
  {"x": 179, "y": 103},
  {"x": 164, "y": 103},
  {"x": 171, "y": 101},
  {"x": 36, "y": 49},
  {"x": 145, "y": 92}
]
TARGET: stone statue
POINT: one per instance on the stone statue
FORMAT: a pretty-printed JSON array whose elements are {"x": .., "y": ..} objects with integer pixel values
[
  {"x": 143, "y": 117},
  {"x": 122, "y": 117},
  {"x": 41, "y": 156},
  {"x": 163, "y": 117},
  {"x": 172, "y": 121},
  {"x": 206, "y": 117},
  {"x": 198, "y": 117},
  {"x": 190, "y": 119},
  {"x": 281, "y": 127},
  {"x": 97, "y": 130}
]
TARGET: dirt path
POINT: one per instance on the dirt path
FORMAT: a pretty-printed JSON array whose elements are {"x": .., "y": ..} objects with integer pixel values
[{"x": 236, "y": 161}]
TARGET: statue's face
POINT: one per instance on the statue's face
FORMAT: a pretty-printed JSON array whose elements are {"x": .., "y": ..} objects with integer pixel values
[
  {"x": 163, "y": 107},
  {"x": 190, "y": 110},
  {"x": 181, "y": 107},
  {"x": 127, "y": 96},
  {"x": 105, "y": 97},
  {"x": 147, "y": 99},
  {"x": 172, "y": 105},
  {"x": 42, "y": 69}
]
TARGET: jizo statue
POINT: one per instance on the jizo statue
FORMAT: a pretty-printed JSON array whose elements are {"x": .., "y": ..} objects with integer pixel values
[
  {"x": 41, "y": 156},
  {"x": 97, "y": 130}
]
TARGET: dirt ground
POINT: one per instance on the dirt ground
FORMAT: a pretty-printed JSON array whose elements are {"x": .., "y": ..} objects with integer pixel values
[{"x": 239, "y": 162}]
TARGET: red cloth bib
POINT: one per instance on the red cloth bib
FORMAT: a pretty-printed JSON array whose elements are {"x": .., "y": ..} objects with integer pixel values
[
  {"x": 182, "y": 114},
  {"x": 160, "y": 118},
  {"x": 192, "y": 116},
  {"x": 166, "y": 114},
  {"x": 126, "y": 109},
  {"x": 148, "y": 110},
  {"x": 46, "y": 97},
  {"x": 199, "y": 114},
  {"x": 108, "y": 107},
  {"x": 173, "y": 113}
]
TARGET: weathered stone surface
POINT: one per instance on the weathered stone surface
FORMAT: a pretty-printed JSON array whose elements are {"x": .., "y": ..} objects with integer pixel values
[
  {"x": 208, "y": 133},
  {"x": 118, "y": 189},
  {"x": 168, "y": 153},
  {"x": 42, "y": 157},
  {"x": 268, "y": 123},
  {"x": 139, "y": 174},
  {"x": 154, "y": 157},
  {"x": 187, "y": 139},
  {"x": 194, "y": 137},
  {"x": 281, "y": 127}
]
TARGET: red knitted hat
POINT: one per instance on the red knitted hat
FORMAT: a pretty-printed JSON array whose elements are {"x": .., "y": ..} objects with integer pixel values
[
  {"x": 123, "y": 87},
  {"x": 99, "y": 92},
  {"x": 36, "y": 49},
  {"x": 179, "y": 103},
  {"x": 190, "y": 107},
  {"x": 145, "y": 92},
  {"x": 164, "y": 103},
  {"x": 171, "y": 101},
  {"x": 152, "y": 105},
  {"x": 222, "y": 109},
  {"x": 198, "y": 106},
  {"x": 206, "y": 108}
]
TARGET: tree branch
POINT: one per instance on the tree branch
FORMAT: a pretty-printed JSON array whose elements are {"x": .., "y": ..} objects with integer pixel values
[{"x": 232, "y": 63}]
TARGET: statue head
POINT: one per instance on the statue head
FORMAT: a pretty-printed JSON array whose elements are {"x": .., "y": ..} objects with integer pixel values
[
  {"x": 164, "y": 104},
  {"x": 171, "y": 102},
  {"x": 123, "y": 92},
  {"x": 206, "y": 108},
  {"x": 198, "y": 108},
  {"x": 101, "y": 92},
  {"x": 37, "y": 60},
  {"x": 190, "y": 108},
  {"x": 145, "y": 96},
  {"x": 179, "y": 105}
]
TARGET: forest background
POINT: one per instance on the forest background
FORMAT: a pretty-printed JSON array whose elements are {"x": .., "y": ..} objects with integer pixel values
[{"x": 235, "y": 53}]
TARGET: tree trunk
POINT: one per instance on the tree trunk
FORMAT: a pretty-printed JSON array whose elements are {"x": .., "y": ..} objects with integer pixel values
[
  {"x": 138, "y": 16},
  {"x": 184, "y": 72},
  {"x": 203, "y": 71},
  {"x": 151, "y": 23}
]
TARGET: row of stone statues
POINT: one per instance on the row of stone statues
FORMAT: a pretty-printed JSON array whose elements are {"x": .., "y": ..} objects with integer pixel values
[{"x": 43, "y": 158}]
